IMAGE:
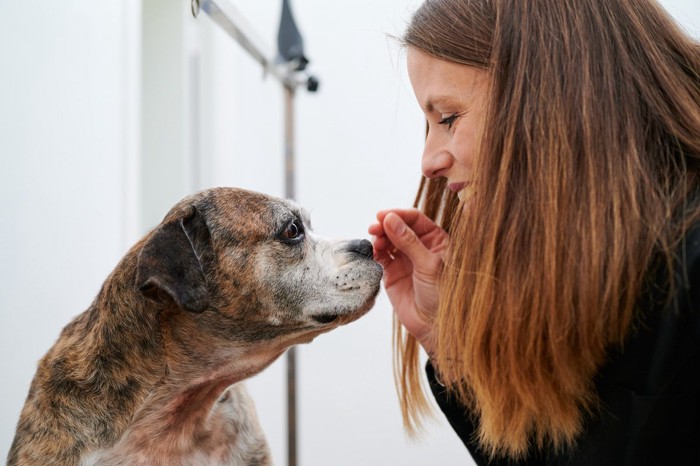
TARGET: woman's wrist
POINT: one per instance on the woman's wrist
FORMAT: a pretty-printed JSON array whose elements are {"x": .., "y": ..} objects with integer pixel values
[
  {"x": 434, "y": 368},
  {"x": 426, "y": 343}
]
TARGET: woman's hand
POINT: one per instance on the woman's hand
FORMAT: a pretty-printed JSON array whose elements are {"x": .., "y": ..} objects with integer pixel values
[{"x": 411, "y": 248}]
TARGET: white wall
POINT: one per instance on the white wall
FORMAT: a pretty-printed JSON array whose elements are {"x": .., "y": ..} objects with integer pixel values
[
  {"x": 78, "y": 183},
  {"x": 68, "y": 145}
]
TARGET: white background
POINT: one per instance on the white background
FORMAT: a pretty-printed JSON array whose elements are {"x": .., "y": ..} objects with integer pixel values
[{"x": 111, "y": 111}]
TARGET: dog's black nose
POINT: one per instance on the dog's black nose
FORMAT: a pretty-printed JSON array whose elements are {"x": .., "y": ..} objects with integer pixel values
[{"x": 362, "y": 247}]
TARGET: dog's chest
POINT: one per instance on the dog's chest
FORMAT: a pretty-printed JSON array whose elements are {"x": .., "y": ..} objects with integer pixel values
[{"x": 228, "y": 434}]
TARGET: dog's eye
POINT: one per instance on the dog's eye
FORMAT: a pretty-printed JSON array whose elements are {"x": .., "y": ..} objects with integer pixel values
[{"x": 294, "y": 231}]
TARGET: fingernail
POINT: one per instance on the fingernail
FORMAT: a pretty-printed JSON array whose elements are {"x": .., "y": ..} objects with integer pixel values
[{"x": 395, "y": 224}]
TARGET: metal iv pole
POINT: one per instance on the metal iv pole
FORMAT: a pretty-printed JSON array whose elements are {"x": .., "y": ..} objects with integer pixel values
[{"x": 287, "y": 67}]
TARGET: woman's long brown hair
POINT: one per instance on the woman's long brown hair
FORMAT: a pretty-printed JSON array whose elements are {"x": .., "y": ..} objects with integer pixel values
[{"x": 589, "y": 155}]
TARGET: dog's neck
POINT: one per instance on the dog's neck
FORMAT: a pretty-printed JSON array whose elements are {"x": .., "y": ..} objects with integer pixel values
[
  {"x": 194, "y": 357},
  {"x": 164, "y": 373}
]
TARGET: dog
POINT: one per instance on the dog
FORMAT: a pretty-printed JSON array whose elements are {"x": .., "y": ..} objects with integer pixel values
[{"x": 151, "y": 373}]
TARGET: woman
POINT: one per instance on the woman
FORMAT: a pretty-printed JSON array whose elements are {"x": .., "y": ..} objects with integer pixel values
[{"x": 559, "y": 297}]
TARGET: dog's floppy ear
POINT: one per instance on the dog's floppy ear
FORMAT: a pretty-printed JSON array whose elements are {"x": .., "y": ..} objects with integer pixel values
[{"x": 170, "y": 262}]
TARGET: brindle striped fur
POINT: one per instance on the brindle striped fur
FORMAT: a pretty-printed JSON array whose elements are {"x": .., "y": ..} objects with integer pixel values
[{"x": 150, "y": 373}]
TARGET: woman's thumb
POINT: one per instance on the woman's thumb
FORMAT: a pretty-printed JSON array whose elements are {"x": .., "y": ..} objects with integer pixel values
[
  {"x": 395, "y": 224},
  {"x": 403, "y": 238}
]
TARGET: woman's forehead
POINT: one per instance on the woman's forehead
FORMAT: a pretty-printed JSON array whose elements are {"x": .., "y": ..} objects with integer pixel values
[{"x": 436, "y": 81}]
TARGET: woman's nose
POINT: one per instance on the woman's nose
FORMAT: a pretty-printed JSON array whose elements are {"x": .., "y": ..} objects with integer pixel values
[{"x": 436, "y": 159}]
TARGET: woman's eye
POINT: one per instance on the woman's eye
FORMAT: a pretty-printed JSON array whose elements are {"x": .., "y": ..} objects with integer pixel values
[
  {"x": 293, "y": 231},
  {"x": 449, "y": 120}
]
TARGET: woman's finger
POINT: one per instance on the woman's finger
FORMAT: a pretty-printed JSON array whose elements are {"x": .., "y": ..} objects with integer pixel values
[
  {"x": 407, "y": 242},
  {"x": 414, "y": 218},
  {"x": 376, "y": 229}
]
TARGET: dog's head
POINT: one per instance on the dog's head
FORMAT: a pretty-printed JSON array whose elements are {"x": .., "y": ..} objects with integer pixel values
[{"x": 247, "y": 267}]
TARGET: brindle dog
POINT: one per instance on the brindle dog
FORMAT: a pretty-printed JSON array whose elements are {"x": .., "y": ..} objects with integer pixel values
[{"x": 150, "y": 373}]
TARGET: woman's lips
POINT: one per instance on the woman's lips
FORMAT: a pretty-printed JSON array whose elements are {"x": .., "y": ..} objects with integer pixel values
[{"x": 456, "y": 187}]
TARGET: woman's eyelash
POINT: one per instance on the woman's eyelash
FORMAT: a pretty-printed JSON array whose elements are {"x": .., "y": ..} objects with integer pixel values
[{"x": 449, "y": 120}]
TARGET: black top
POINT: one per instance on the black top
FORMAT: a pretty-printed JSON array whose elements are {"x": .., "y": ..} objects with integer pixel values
[{"x": 649, "y": 392}]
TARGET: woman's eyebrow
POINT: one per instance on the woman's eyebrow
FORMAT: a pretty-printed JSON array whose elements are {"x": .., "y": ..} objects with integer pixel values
[{"x": 438, "y": 99}]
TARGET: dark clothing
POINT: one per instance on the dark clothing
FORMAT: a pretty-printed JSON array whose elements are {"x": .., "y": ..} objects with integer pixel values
[{"x": 649, "y": 391}]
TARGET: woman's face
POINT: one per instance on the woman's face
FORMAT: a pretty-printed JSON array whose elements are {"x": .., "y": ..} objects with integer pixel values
[{"x": 453, "y": 97}]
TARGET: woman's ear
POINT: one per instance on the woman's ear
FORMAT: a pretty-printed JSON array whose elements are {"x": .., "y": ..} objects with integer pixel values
[{"x": 170, "y": 263}]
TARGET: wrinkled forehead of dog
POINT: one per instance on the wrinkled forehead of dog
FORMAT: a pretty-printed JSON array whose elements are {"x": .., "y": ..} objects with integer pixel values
[{"x": 235, "y": 211}]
